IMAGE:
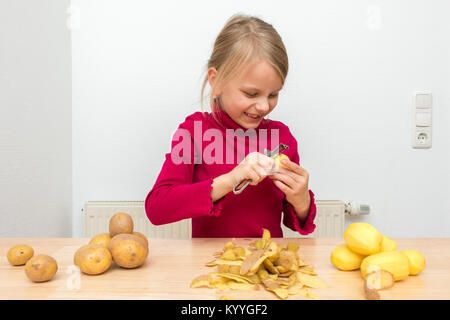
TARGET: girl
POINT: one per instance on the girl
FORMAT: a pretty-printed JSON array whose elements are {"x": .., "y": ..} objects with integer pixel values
[{"x": 246, "y": 71}]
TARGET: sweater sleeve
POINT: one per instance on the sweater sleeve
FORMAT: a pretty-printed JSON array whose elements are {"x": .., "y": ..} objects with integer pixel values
[
  {"x": 174, "y": 195},
  {"x": 290, "y": 217},
  {"x": 292, "y": 221}
]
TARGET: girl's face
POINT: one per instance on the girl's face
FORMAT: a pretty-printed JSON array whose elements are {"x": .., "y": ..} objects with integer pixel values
[{"x": 249, "y": 98}]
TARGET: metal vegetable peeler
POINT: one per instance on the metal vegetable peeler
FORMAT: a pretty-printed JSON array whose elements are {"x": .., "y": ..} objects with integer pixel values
[{"x": 272, "y": 154}]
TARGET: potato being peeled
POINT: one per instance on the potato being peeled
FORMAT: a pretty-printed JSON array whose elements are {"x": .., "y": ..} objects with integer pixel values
[
  {"x": 41, "y": 268},
  {"x": 128, "y": 250},
  {"x": 101, "y": 239},
  {"x": 119, "y": 223},
  {"x": 20, "y": 254},
  {"x": 280, "y": 157},
  {"x": 93, "y": 259}
]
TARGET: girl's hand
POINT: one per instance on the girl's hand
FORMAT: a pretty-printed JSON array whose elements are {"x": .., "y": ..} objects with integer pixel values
[
  {"x": 255, "y": 166},
  {"x": 294, "y": 184}
]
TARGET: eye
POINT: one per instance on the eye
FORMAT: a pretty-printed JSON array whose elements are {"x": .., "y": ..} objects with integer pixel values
[
  {"x": 255, "y": 94},
  {"x": 251, "y": 95}
]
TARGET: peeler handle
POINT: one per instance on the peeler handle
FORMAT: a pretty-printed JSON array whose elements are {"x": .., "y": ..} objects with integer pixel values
[{"x": 241, "y": 186}]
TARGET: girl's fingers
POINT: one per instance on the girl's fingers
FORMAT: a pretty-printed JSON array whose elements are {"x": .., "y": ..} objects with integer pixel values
[
  {"x": 268, "y": 163},
  {"x": 261, "y": 171},
  {"x": 293, "y": 175},
  {"x": 282, "y": 186},
  {"x": 257, "y": 158},
  {"x": 286, "y": 179},
  {"x": 295, "y": 167},
  {"x": 268, "y": 169},
  {"x": 254, "y": 176}
]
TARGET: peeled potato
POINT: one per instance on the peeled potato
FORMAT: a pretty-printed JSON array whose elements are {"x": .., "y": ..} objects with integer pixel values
[
  {"x": 345, "y": 259},
  {"x": 101, "y": 239},
  {"x": 119, "y": 223},
  {"x": 20, "y": 254},
  {"x": 416, "y": 261},
  {"x": 93, "y": 259},
  {"x": 128, "y": 250},
  {"x": 387, "y": 244},
  {"x": 41, "y": 268}
]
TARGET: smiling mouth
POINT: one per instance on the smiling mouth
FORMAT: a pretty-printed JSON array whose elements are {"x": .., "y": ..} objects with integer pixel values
[{"x": 253, "y": 116}]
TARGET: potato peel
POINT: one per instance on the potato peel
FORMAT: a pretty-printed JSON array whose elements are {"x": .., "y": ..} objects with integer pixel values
[
  {"x": 278, "y": 269},
  {"x": 211, "y": 263},
  {"x": 252, "y": 262},
  {"x": 269, "y": 266},
  {"x": 311, "y": 281},
  {"x": 244, "y": 286},
  {"x": 281, "y": 292},
  {"x": 370, "y": 293},
  {"x": 270, "y": 284},
  {"x": 229, "y": 262},
  {"x": 295, "y": 288},
  {"x": 306, "y": 293},
  {"x": 231, "y": 276},
  {"x": 307, "y": 270},
  {"x": 202, "y": 281},
  {"x": 265, "y": 239}
]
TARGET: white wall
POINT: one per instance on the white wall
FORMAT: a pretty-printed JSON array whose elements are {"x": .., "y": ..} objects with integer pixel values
[
  {"x": 35, "y": 119},
  {"x": 137, "y": 71}
]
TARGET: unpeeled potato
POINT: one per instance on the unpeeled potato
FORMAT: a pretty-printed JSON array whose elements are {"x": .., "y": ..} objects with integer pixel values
[
  {"x": 20, "y": 254},
  {"x": 119, "y": 223},
  {"x": 128, "y": 250},
  {"x": 41, "y": 268},
  {"x": 101, "y": 239},
  {"x": 142, "y": 236},
  {"x": 93, "y": 259}
]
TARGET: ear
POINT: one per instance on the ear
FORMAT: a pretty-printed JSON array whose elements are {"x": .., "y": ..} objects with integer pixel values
[{"x": 212, "y": 74}]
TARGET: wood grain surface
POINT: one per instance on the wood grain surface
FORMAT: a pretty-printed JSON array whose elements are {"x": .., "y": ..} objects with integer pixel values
[{"x": 172, "y": 264}]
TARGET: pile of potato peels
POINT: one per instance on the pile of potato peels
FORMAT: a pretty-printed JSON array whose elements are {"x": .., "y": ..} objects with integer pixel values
[{"x": 278, "y": 269}]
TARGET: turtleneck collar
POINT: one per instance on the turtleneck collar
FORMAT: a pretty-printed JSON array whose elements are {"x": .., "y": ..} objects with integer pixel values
[{"x": 225, "y": 121}]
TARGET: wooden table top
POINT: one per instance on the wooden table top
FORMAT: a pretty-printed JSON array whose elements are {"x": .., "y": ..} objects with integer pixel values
[{"x": 173, "y": 263}]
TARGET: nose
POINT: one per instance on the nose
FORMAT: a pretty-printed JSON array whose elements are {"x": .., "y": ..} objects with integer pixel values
[{"x": 262, "y": 106}]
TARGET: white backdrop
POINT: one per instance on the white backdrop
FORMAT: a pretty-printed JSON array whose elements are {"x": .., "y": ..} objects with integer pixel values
[
  {"x": 35, "y": 119},
  {"x": 137, "y": 72}
]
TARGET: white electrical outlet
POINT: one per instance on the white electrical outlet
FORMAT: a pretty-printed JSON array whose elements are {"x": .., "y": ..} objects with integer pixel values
[{"x": 421, "y": 119}]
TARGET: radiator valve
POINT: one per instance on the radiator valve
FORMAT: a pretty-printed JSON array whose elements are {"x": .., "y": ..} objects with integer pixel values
[{"x": 353, "y": 208}]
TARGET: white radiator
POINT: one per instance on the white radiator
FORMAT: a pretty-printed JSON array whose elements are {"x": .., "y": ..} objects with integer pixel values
[{"x": 329, "y": 220}]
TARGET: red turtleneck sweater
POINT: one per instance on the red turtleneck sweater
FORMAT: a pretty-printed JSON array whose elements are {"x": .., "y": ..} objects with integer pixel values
[{"x": 183, "y": 190}]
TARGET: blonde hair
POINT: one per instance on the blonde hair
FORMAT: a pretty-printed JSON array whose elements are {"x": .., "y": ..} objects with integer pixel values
[{"x": 243, "y": 41}]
